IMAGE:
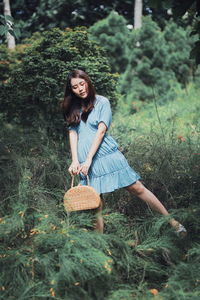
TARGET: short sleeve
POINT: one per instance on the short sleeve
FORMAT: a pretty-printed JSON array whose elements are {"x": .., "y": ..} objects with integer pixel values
[
  {"x": 71, "y": 127},
  {"x": 105, "y": 113}
]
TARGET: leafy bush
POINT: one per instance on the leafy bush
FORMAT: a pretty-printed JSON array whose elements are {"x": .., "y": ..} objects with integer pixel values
[
  {"x": 158, "y": 62},
  {"x": 36, "y": 85},
  {"x": 112, "y": 34},
  {"x": 149, "y": 60}
]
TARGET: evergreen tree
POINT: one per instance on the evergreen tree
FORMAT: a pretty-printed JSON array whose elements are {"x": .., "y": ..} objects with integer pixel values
[
  {"x": 158, "y": 60},
  {"x": 112, "y": 34},
  {"x": 179, "y": 44}
]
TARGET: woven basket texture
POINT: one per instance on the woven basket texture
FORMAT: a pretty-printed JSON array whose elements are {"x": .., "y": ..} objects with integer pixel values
[{"x": 81, "y": 198}]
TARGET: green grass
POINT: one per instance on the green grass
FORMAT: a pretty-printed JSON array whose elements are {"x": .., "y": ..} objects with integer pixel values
[
  {"x": 172, "y": 119},
  {"x": 48, "y": 254}
]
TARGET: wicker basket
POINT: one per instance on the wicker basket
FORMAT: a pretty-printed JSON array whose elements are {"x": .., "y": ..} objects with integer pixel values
[{"x": 81, "y": 197}]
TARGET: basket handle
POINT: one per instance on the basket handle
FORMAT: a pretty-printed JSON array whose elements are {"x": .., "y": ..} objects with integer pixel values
[{"x": 72, "y": 183}]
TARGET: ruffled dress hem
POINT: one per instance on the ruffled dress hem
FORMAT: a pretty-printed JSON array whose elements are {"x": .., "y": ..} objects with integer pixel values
[{"x": 112, "y": 181}]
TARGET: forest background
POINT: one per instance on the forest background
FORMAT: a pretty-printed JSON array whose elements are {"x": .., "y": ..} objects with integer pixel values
[{"x": 150, "y": 74}]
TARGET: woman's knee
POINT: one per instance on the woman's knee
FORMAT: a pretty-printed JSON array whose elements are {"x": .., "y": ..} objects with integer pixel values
[{"x": 136, "y": 188}]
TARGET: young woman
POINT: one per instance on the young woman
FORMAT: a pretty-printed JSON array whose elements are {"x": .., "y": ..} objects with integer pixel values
[{"x": 94, "y": 152}]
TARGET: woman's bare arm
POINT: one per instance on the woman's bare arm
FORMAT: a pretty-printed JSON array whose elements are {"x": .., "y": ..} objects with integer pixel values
[{"x": 73, "y": 140}]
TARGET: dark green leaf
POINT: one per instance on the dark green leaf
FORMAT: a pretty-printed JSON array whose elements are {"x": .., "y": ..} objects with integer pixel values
[
  {"x": 17, "y": 32},
  {"x": 9, "y": 18},
  {"x": 2, "y": 20},
  {"x": 3, "y": 30}
]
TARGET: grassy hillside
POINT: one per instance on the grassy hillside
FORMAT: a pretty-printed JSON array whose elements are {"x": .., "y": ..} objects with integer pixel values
[{"x": 174, "y": 118}]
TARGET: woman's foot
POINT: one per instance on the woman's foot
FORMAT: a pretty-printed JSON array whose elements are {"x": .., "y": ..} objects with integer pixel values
[{"x": 181, "y": 230}]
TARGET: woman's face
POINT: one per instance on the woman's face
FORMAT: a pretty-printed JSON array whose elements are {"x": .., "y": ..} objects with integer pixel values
[{"x": 79, "y": 87}]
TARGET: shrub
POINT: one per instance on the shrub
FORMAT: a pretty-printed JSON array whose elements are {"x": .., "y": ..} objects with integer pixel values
[
  {"x": 162, "y": 144},
  {"x": 159, "y": 62},
  {"x": 36, "y": 85},
  {"x": 112, "y": 34}
]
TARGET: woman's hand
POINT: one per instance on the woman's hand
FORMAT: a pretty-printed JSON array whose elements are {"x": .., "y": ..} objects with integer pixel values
[
  {"x": 85, "y": 166},
  {"x": 74, "y": 168}
]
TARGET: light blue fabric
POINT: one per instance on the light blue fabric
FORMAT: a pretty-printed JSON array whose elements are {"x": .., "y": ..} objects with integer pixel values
[{"x": 109, "y": 169}]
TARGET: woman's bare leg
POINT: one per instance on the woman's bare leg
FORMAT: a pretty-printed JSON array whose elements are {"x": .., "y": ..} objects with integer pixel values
[
  {"x": 143, "y": 193},
  {"x": 99, "y": 223}
]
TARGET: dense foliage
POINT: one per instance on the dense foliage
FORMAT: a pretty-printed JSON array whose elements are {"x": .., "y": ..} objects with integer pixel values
[
  {"x": 158, "y": 61},
  {"x": 36, "y": 83},
  {"x": 31, "y": 16},
  {"x": 112, "y": 34},
  {"x": 49, "y": 254},
  {"x": 151, "y": 62}
]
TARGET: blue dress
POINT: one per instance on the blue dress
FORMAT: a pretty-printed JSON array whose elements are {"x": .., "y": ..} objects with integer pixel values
[{"x": 109, "y": 169}]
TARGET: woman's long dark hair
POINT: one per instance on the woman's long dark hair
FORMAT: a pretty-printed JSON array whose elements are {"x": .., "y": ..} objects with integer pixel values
[{"x": 72, "y": 104}]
